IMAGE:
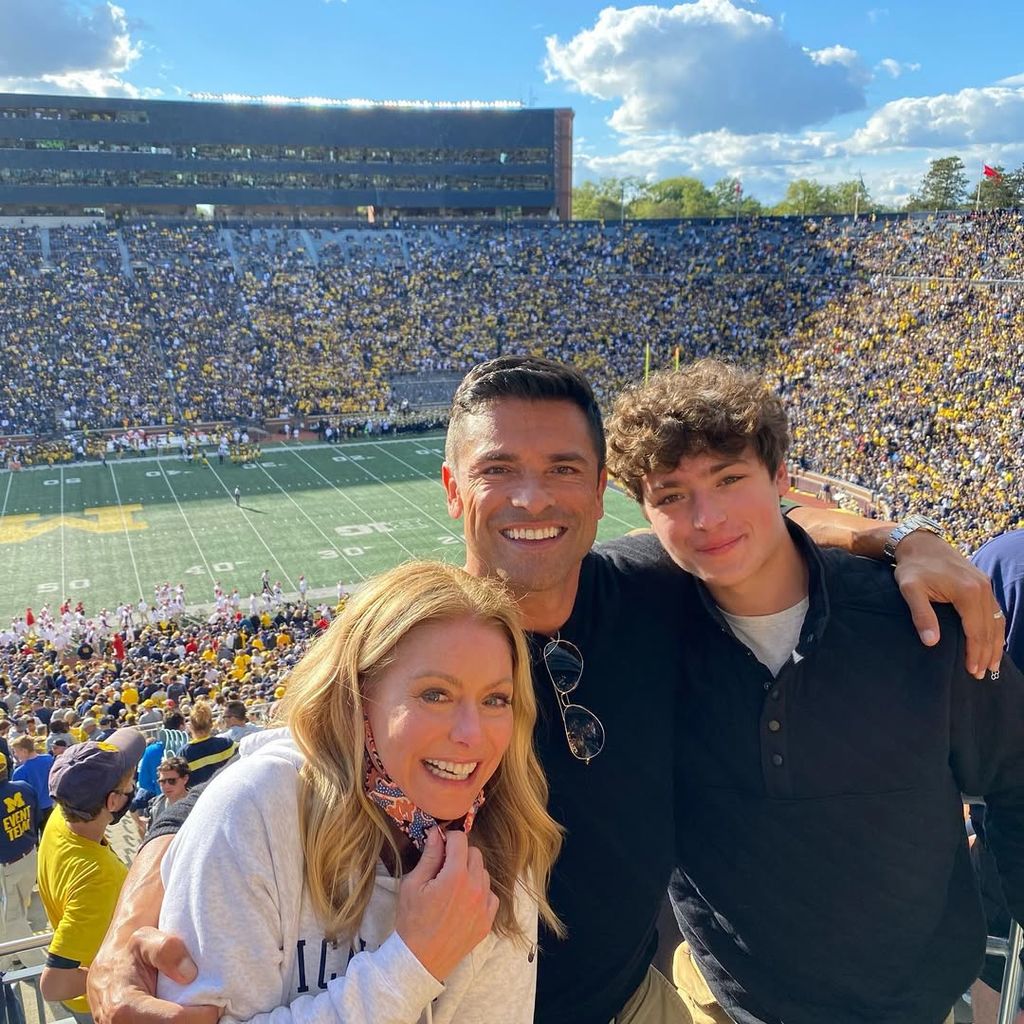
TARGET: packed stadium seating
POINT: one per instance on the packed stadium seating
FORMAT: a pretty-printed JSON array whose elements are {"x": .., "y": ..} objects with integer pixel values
[
  {"x": 72, "y": 659},
  {"x": 897, "y": 341}
]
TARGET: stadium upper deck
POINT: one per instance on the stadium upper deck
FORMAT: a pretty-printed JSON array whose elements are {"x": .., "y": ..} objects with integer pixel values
[{"x": 71, "y": 154}]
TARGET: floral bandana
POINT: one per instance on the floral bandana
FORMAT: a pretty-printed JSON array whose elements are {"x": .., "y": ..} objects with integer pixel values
[{"x": 386, "y": 794}]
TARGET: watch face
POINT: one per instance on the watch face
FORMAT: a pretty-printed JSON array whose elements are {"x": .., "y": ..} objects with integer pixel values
[{"x": 919, "y": 522}]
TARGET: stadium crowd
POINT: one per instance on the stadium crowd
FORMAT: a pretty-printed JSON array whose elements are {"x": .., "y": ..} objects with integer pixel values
[
  {"x": 896, "y": 340},
  {"x": 912, "y": 386},
  {"x": 132, "y": 665}
]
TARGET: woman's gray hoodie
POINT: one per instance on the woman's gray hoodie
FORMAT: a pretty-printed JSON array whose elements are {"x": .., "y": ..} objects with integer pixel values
[{"x": 235, "y": 893}]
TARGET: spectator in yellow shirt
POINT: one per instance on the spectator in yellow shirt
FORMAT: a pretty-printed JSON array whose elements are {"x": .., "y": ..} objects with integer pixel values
[{"x": 80, "y": 877}]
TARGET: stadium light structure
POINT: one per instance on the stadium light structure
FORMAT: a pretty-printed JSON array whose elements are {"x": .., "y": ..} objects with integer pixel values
[{"x": 356, "y": 103}]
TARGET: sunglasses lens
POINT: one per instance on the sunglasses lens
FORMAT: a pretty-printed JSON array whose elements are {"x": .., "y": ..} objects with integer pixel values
[
  {"x": 564, "y": 667},
  {"x": 584, "y": 731}
]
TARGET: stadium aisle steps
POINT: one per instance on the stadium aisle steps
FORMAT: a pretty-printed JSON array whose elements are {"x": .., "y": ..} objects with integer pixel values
[
  {"x": 126, "y": 260},
  {"x": 310, "y": 246},
  {"x": 227, "y": 240}
]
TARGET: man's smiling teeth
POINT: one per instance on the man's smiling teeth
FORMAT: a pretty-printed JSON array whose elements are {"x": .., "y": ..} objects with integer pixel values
[
  {"x": 451, "y": 770},
  {"x": 546, "y": 533}
]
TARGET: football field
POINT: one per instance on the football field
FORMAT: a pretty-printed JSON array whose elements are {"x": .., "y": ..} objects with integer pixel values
[{"x": 106, "y": 534}]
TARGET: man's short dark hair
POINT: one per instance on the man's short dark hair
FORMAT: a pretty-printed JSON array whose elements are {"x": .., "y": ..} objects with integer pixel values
[
  {"x": 532, "y": 378},
  {"x": 236, "y": 709},
  {"x": 178, "y": 765},
  {"x": 174, "y": 720}
]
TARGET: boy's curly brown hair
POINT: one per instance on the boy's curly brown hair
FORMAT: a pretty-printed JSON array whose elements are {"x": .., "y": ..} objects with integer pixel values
[{"x": 706, "y": 406}]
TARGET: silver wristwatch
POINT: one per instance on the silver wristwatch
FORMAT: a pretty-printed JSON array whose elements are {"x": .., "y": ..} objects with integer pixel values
[{"x": 911, "y": 524}]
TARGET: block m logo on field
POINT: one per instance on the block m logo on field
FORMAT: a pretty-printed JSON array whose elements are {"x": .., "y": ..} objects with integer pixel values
[{"x": 110, "y": 519}]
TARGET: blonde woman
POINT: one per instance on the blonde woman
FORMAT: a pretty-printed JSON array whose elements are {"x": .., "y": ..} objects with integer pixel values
[{"x": 385, "y": 859}]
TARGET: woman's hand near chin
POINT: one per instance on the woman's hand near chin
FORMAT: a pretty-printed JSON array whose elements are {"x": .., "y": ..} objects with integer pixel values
[{"x": 445, "y": 904}]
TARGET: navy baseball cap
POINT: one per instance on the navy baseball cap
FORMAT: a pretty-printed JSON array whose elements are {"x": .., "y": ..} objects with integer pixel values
[{"x": 84, "y": 774}]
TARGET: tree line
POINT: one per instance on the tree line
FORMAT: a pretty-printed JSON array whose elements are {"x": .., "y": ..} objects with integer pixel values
[{"x": 945, "y": 186}]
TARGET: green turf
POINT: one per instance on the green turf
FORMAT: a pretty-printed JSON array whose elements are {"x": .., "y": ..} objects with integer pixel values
[{"x": 333, "y": 513}]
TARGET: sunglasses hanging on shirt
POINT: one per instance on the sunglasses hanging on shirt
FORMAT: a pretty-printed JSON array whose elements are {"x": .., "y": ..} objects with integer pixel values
[{"x": 583, "y": 729}]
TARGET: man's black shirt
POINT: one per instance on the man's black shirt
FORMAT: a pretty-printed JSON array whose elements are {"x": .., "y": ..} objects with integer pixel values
[{"x": 610, "y": 880}]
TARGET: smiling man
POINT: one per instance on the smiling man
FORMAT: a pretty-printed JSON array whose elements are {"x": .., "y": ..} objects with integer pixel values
[
  {"x": 524, "y": 470},
  {"x": 822, "y": 866}
]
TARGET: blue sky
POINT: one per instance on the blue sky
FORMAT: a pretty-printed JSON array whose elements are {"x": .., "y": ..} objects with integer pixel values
[{"x": 767, "y": 91}]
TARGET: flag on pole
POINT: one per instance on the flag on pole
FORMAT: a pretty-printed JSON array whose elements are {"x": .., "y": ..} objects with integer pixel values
[
  {"x": 647, "y": 361},
  {"x": 737, "y": 188},
  {"x": 991, "y": 172}
]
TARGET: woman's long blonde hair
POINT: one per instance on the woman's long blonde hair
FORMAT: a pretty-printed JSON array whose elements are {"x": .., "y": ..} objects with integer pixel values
[{"x": 343, "y": 833}]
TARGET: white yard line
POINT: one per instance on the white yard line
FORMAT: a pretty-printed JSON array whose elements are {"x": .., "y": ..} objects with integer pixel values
[
  {"x": 446, "y": 525},
  {"x": 124, "y": 525},
  {"x": 355, "y": 504},
  {"x": 618, "y": 519},
  {"x": 7, "y": 494},
  {"x": 248, "y": 521},
  {"x": 63, "y": 576},
  {"x": 188, "y": 525},
  {"x": 398, "y": 494},
  {"x": 312, "y": 521}
]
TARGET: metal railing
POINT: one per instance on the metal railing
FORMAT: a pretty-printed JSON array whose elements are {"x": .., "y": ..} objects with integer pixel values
[
  {"x": 1013, "y": 975},
  {"x": 28, "y": 977}
]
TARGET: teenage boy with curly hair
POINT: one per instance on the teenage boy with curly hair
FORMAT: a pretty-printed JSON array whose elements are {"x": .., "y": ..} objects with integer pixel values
[{"x": 822, "y": 863}]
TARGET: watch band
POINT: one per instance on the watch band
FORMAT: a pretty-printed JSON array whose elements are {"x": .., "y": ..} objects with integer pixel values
[{"x": 904, "y": 528}]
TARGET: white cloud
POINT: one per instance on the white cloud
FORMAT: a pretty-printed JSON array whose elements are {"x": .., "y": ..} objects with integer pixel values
[
  {"x": 705, "y": 66},
  {"x": 876, "y": 14},
  {"x": 894, "y": 187},
  {"x": 711, "y": 155},
  {"x": 59, "y": 46},
  {"x": 992, "y": 115},
  {"x": 838, "y": 55},
  {"x": 894, "y": 68},
  {"x": 697, "y": 92}
]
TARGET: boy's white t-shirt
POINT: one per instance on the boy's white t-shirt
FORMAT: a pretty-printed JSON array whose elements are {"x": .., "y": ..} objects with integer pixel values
[{"x": 772, "y": 638}]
